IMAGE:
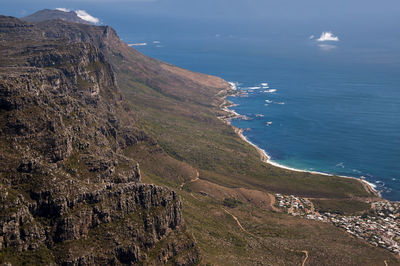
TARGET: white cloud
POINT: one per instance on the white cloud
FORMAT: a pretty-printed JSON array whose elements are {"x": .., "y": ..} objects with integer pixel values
[
  {"x": 328, "y": 36},
  {"x": 81, "y": 14},
  {"x": 86, "y": 16},
  {"x": 311, "y": 37},
  {"x": 63, "y": 9}
]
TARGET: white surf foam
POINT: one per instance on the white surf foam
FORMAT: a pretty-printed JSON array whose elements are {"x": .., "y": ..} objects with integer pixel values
[
  {"x": 370, "y": 184},
  {"x": 341, "y": 164},
  {"x": 252, "y": 88},
  {"x": 234, "y": 85},
  {"x": 138, "y": 44}
]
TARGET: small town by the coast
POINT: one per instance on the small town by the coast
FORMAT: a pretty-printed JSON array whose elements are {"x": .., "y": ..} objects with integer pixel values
[{"x": 380, "y": 227}]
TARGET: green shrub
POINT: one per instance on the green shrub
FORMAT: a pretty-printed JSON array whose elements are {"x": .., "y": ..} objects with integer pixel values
[{"x": 231, "y": 202}]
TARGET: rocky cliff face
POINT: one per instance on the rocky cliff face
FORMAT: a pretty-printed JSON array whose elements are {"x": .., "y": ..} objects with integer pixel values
[{"x": 68, "y": 194}]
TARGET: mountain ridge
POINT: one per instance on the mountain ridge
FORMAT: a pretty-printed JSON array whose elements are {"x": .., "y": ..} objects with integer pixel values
[{"x": 49, "y": 14}]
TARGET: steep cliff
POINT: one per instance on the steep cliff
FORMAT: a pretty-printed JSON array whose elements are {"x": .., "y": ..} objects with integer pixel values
[{"x": 69, "y": 195}]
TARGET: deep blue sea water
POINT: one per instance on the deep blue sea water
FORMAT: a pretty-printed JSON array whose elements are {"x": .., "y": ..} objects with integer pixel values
[{"x": 334, "y": 111}]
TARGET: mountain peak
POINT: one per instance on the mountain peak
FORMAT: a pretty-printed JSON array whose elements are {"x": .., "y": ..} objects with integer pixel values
[{"x": 61, "y": 14}]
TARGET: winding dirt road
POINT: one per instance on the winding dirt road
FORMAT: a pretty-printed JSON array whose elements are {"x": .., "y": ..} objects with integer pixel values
[
  {"x": 236, "y": 219},
  {"x": 191, "y": 181},
  {"x": 305, "y": 259}
]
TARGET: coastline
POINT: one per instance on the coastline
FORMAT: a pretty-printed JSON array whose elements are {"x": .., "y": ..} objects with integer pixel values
[{"x": 264, "y": 157}]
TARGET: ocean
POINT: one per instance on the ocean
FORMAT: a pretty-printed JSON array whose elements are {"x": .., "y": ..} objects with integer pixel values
[{"x": 312, "y": 108}]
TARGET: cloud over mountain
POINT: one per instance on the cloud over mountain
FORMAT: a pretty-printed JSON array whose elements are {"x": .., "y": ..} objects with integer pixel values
[
  {"x": 86, "y": 16},
  {"x": 81, "y": 14},
  {"x": 328, "y": 36},
  {"x": 63, "y": 9}
]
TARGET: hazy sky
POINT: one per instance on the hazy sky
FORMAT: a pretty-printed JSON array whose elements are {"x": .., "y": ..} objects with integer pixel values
[
  {"x": 362, "y": 14},
  {"x": 298, "y": 10}
]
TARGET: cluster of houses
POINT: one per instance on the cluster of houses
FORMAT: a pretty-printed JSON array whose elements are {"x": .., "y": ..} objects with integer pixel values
[
  {"x": 380, "y": 227},
  {"x": 294, "y": 205}
]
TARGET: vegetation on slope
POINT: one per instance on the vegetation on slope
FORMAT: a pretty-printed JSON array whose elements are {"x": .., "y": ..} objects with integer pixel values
[{"x": 195, "y": 138}]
